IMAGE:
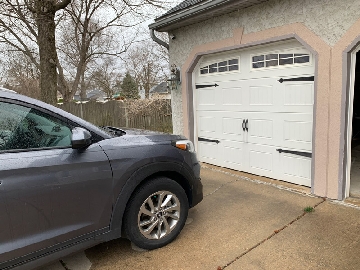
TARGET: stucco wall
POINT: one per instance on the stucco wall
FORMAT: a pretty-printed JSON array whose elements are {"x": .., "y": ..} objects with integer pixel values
[{"x": 328, "y": 19}]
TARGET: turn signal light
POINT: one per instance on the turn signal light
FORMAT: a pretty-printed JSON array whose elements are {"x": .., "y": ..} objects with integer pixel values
[{"x": 185, "y": 145}]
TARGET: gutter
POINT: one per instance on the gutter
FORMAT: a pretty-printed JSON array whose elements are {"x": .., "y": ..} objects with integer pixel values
[
  {"x": 158, "y": 40},
  {"x": 192, "y": 11},
  {"x": 180, "y": 15}
]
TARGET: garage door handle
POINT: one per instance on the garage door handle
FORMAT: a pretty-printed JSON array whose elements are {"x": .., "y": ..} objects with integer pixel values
[
  {"x": 243, "y": 125},
  {"x": 207, "y": 140},
  {"x": 246, "y": 125},
  {"x": 298, "y": 153}
]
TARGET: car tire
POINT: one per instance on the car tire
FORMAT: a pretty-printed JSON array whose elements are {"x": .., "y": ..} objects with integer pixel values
[{"x": 150, "y": 224}]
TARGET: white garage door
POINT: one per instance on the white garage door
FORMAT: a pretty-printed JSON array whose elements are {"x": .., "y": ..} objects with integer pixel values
[{"x": 259, "y": 117}]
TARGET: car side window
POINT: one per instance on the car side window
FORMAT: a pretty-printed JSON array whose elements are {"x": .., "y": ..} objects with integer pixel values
[{"x": 27, "y": 128}]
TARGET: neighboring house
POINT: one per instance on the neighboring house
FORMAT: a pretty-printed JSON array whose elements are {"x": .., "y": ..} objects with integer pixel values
[
  {"x": 160, "y": 91},
  {"x": 285, "y": 73},
  {"x": 96, "y": 94}
]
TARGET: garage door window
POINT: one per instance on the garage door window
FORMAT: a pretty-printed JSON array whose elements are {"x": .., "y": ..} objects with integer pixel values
[
  {"x": 273, "y": 60},
  {"x": 223, "y": 66}
]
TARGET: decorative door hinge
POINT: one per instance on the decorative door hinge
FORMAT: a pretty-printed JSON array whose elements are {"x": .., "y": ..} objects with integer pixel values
[
  {"x": 208, "y": 140},
  {"x": 205, "y": 85},
  {"x": 299, "y": 79},
  {"x": 298, "y": 153}
]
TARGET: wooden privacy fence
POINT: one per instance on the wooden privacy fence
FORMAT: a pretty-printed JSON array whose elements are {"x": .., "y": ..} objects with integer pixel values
[{"x": 116, "y": 114}]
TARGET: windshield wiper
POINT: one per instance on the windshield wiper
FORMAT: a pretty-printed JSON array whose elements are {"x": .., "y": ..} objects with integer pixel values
[{"x": 114, "y": 131}]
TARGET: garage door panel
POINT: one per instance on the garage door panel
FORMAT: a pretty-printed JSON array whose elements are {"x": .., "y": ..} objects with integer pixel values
[
  {"x": 297, "y": 131},
  {"x": 261, "y": 95},
  {"x": 268, "y": 95},
  {"x": 266, "y": 161},
  {"x": 260, "y": 129},
  {"x": 231, "y": 97},
  {"x": 220, "y": 125},
  {"x": 282, "y": 130},
  {"x": 233, "y": 155},
  {"x": 294, "y": 169},
  {"x": 208, "y": 152},
  {"x": 207, "y": 125},
  {"x": 207, "y": 97},
  {"x": 296, "y": 166},
  {"x": 260, "y": 159},
  {"x": 299, "y": 94},
  {"x": 232, "y": 126}
]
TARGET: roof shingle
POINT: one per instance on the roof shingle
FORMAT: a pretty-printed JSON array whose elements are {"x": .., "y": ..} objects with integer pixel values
[{"x": 183, "y": 5}]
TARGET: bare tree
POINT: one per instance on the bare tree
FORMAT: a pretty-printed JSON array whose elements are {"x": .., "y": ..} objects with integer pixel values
[
  {"x": 22, "y": 75},
  {"x": 94, "y": 36},
  {"x": 149, "y": 64},
  {"x": 28, "y": 26},
  {"x": 107, "y": 77},
  {"x": 98, "y": 34}
]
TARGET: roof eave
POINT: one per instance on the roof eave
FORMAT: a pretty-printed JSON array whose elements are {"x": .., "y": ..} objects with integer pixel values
[{"x": 199, "y": 13}]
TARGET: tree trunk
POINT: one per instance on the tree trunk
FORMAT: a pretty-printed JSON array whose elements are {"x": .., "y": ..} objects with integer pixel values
[
  {"x": 63, "y": 86},
  {"x": 147, "y": 82},
  {"x": 83, "y": 95},
  {"x": 47, "y": 50},
  {"x": 80, "y": 70}
]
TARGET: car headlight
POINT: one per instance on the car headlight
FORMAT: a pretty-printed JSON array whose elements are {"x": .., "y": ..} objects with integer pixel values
[{"x": 185, "y": 145}]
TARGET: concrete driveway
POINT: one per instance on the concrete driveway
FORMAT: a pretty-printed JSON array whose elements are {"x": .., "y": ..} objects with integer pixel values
[{"x": 248, "y": 223}]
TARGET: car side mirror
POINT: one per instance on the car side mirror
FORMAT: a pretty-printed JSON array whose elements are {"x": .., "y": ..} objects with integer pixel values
[{"x": 80, "y": 138}]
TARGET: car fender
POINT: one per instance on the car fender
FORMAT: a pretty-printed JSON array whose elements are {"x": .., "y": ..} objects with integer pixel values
[{"x": 143, "y": 174}]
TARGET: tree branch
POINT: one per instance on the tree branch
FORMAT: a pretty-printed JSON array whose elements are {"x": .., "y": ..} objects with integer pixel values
[{"x": 62, "y": 5}]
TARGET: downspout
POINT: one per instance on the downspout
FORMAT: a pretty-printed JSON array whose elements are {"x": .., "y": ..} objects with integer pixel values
[{"x": 157, "y": 40}]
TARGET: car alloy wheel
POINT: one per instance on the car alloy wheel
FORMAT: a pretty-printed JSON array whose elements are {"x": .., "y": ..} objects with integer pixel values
[{"x": 159, "y": 215}]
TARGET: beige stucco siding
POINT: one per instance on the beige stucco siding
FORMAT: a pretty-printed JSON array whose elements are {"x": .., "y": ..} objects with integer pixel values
[{"x": 328, "y": 19}]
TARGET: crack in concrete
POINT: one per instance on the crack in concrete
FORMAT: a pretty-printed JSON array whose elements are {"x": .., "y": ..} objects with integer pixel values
[
  {"x": 221, "y": 186},
  {"x": 269, "y": 237},
  {"x": 64, "y": 265}
]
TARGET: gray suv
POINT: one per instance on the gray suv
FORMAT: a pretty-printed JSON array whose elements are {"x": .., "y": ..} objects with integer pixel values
[{"x": 66, "y": 185}]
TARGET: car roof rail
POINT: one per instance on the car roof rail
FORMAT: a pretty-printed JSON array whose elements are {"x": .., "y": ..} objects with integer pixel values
[{"x": 7, "y": 90}]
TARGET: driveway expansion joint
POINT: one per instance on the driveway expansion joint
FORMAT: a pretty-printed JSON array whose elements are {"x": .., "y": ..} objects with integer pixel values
[
  {"x": 344, "y": 203},
  {"x": 63, "y": 264},
  {"x": 270, "y": 236},
  {"x": 256, "y": 181}
]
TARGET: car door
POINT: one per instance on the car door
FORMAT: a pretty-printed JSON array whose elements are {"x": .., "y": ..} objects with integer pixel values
[{"x": 49, "y": 192}]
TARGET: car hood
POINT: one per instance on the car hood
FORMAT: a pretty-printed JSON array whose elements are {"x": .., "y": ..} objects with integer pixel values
[
  {"x": 134, "y": 131},
  {"x": 138, "y": 137}
]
